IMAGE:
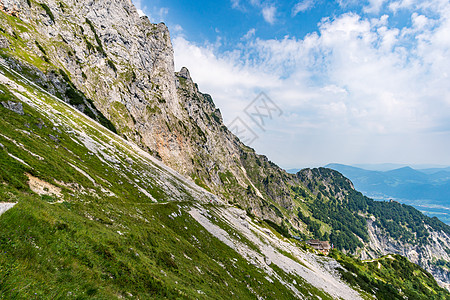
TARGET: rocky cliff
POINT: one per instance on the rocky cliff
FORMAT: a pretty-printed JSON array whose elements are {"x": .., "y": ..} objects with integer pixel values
[
  {"x": 117, "y": 67},
  {"x": 425, "y": 255},
  {"x": 125, "y": 65}
]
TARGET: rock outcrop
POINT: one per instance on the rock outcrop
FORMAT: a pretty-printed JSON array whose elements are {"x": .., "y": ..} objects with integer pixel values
[
  {"x": 424, "y": 255},
  {"x": 5, "y": 207},
  {"x": 14, "y": 106},
  {"x": 4, "y": 43},
  {"x": 11, "y": 7}
]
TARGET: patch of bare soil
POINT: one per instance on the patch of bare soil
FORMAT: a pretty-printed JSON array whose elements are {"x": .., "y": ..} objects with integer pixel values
[{"x": 41, "y": 187}]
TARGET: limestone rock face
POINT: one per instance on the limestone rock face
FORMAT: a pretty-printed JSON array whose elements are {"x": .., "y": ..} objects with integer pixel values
[
  {"x": 125, "y": 65},
  {"x": 118, "y": 59},
  {"x": 423, "y": 255},
  {"x": 11, "y": 7}
]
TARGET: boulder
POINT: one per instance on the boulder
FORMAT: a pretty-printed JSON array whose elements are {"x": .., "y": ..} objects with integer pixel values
[{"x": 14, "y": 106}]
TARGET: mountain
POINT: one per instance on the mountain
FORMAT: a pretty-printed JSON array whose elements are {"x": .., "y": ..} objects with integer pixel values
[
  {"x": 407, "y": 174},
  {"x": 427, "y": 189},
  {"x": 390, "y": 166},
  {"x": 380, "y": 167},
  {"x": 91, "y": 215},
  {"x": 126, "y": 182}
]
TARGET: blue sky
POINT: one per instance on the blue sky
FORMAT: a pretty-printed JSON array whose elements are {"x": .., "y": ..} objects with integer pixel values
[
  {"x": 357, "y": 81},
  {"x": 230, "y": 20}
]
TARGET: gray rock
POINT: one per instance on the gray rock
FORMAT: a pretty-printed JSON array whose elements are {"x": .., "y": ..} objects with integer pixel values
[
  {"x": 184, "y": 72},
  {"x": 11, "y": 7},
  {"x": 4, "y": 43},
  {"x": 6, "y": 206},
  {"x": 53, "y": 138},
  {"x": 14, "y": 106}
]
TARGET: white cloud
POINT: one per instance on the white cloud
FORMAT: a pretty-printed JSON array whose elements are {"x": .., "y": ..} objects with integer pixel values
[
  {"x": 155, "y": 14},
  {"x": 141, "y": 12},
  {"x": 402, "y": 4},
  {"x": 251, "y": 33},
  {"x": 140, "y": 8},
  {"x": 161, "y": 14},
  {"x": 419, "y": 21},
  {"x": 302, "y": 6},
  {"x": 177, "y": 28},
  {"x": 268, "y": 9},
  {"x": 235, "y": 4},
  {"x": 359, "y": 86},
  {"x": 347, "y": 3},
  {"x": 374, "y": 6},
  {"x": 232, "y": 84},
  {"x": 255, "y": 3},
  {"x": 269, "y": 14}
]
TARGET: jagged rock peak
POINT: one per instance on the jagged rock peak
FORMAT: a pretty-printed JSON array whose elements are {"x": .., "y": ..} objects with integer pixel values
[{"x": 184, "y": 73}]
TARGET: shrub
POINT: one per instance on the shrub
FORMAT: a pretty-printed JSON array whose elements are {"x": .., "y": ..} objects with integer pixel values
[
  {"x": 48, "y": 11},
  {"x": 111, "y": 65}
]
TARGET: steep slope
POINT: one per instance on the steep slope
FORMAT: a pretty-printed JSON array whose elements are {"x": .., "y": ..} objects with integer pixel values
[
  {"x": 86, "y": 214},
  {"x": 103, "y": 50},
  {"x": 97, "y": 216},
  {"x": 371, "y": 228},
  {"x": 125, "y": 65}
]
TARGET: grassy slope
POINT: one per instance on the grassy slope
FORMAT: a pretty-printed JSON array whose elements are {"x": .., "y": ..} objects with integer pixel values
[
  {"x": 378, "y": 277},
  {"x": 92, "y": 244},
  {"x": 285, "y": 196}
]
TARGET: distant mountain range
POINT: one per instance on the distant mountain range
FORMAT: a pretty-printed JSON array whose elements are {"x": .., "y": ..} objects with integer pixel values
[{"x": 426, "y": 189}]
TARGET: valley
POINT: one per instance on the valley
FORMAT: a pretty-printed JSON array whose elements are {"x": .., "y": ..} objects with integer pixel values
[{"x": 425, "y": 189}]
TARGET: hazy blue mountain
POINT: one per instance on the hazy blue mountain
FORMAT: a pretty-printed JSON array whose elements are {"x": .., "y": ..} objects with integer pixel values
[
  {"x": 379, "y": 167},
  {"x": 293, "y": 171},
  {"x": 391, "y": 166},
  {"x": 427, "y": 189},
  {"x": 407, "y": 174}
]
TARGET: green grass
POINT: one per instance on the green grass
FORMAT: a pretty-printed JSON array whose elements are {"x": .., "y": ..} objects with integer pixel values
[
  {"x": 390, "y": 277},
  {"x": 48, "y": 11},
  {"x": 18, "y": 46},
  {"x": 99, "y": 43}
]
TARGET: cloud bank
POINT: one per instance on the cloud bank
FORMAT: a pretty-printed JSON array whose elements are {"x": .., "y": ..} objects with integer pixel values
[{"x": 369, "y": 91}]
